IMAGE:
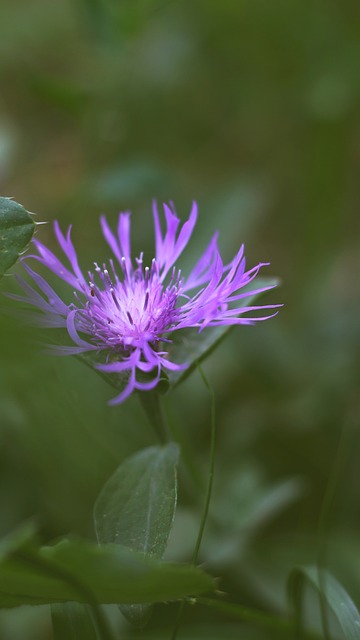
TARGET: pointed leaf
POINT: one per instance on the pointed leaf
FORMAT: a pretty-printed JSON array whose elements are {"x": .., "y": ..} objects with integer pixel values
[
  {"x": 336, "y": 598},
  {"x": 80, "y": 571},
  {"x": 136, "y": 508},
  {"x": 16, "y": 230}
]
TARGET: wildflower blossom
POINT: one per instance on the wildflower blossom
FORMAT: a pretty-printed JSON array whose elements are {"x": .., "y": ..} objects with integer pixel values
[{"x": 131, "y": 310}]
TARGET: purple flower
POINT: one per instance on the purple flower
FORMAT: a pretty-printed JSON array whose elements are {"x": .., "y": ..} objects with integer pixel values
[{"x": 130, "y": 310}]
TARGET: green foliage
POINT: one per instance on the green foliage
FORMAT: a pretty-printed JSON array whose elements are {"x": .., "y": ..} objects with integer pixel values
[
  {"x": 16, "y": 230},
  {"x": 269, "y": 621},
  {"x": 251, "y": 108},
  {"x": 333, "y": 595},
  {"x": 72, "y": 621},
  {"x": 136, "y": 508},
  {"x": 80, "y": 571}
]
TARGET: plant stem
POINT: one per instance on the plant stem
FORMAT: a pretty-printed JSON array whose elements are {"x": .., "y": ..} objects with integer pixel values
[
  {"x": 208, "y": 493},
  {"x": 327, "y": 502},
  {"x": 187, "y": 458},
  {"x": 150, "y": 402},
  {"x": 211, "y": 469}
]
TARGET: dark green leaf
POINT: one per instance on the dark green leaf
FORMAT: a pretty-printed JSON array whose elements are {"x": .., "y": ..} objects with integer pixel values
[
  {"x": 72, "y": 621},
  {"x": 136, "y": 507},
  {"x": 335, "y": 596},
  {"x": 190, "y": 346},
  {"x": 16, "y": 230},
  {"x": 80, "y": 571}
]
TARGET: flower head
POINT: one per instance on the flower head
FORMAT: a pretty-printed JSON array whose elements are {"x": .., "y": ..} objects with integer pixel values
[{"x": 129, "y": 310}]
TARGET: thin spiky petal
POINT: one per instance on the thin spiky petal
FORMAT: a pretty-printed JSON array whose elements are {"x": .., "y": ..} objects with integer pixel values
[{"x": 130, "y": 311}]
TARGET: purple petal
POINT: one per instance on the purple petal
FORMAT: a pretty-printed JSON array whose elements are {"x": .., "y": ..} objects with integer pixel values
[
  {"x": 120, "y": 365},
  {"x": 158, "y": 234},
  {"x": 34, "y": 298},
  {"x": 124, "y": 235},
  {"x": 110, "y": 238},
  {"x": 201, "y": 273},
  {"x": 168, "y": 249},
  {"x": 184, "y": 235},
  {"x": 54, "y": 300},
  {"x": 241, "y": 320},
  {"x": 147, "y": 386},
  {"x": 72, "y": 331},
  {"x": 126, "y": 392},
  {"x": 172, "y": 366},
  {"x": 48, "y": 259},
  {"x": 248, "y": 294},
  {"x": 68, "y": 248},
  {"x": 62, "y": 350}
]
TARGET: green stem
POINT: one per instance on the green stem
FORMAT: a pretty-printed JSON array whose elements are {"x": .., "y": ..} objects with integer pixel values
[
  {"x": 150, "y": 402},
  {"x": 211, "y": 469},
  {"x": 208, "y": 493},
  {"x": 327, "y": 502},
  {"x": 178, "y": 620},
  {"x": 187, "y": 458},
  {"x": 101, "y": 622}
]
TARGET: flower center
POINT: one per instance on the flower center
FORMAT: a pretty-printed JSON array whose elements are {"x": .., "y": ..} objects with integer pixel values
[{"x": 130, "y": 312}]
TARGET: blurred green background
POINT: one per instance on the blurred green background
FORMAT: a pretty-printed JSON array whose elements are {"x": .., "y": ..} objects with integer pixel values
[{"x": 252, "y": 109}]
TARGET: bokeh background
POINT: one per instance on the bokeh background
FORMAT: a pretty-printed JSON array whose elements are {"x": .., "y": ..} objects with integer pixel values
[{"x": 252, "y": 109}]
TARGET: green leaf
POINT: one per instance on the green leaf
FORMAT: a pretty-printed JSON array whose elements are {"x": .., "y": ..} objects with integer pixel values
[
  {"x": 72, "y": 621},
  {"x": 16, "y": 230},
  {"x": 81, "y": 571},
  {"x": 335, "y": 597},
  {"x": 190, "y": 346},
  {"x": 136, "y": 508},
  {"x": 267, "y": 620}
]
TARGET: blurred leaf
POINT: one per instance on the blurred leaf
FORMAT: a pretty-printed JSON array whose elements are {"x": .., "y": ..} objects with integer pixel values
[
  {"x": 80, "y": 571},
  {"x": 246, "y": 502},
  {"x": 241, "y": 506},
  {"x": 72, "y": 621},
  {"x": 231, "y": 609},
  {"x": 8, "y": 143},
  {"x": 22, "y": 537},
  {"x": 136, "y": 508},
  {"x": 335, "y": 596},
  {"x": 95, "y": 16},
  {"x": 121, "y": 183},
  {"x": 110, "y": 22},
  {"x": 56, "y": 91},
  {"x": 16, "y": 230},
  {"x": 190, "y": 346}
]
